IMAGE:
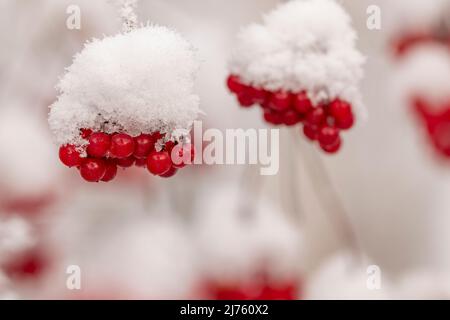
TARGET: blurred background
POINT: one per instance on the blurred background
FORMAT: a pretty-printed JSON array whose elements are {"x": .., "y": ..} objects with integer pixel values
[{"x": 315, "y": 228}]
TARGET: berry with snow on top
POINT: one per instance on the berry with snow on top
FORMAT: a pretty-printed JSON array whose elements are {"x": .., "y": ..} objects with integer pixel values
[{"x": 299, "y": 65}]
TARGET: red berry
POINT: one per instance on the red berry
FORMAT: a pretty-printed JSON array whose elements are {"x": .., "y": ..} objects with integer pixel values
[
  {"x": 172, "y": 171},
  {"x": 69, "y": 155},
  {"x": 273, "y": 117},
  {"x": 85, "y": 133},
  {"x": 316, "y": 116},
  {"x": 182, "y": 155},
  {"x": 234, "y": 84},
  {"x": 125, "y": 162},
  {"x": 244, "y": 99},
  {"x": 291, "y": 118},
  {"x": 156, "y": 136},
  {"x": 143, "y": 144},
  {"x": 99, "y": 144},
  {"x": 311, "y": 132},
  {"x": 332, "y": 148},
  {"x": 341, "y": 111},
  {"x": 122, "y": 145},
  {"x": 328, "y": 135},
  {"x": 93, "y": 170},
  {"x": 302, "y": 103},
  {"x": 280, "y": 101},
  {"x": 169, "y": 146},
  {"x": 141, "y": 163},
  {"x": 258, "y": 95},
  {"x": 110, "y": 172},
  {"x": 158, "y": 162}
]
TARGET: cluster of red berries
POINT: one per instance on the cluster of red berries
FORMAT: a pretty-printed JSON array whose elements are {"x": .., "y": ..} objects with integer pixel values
[
  {"x": 321, "y": 123},
  {"x": 263, "y": 290},
  {"x": 437, "y": 125},
  {"x": 403, "y": 44},
  {"x": 105, "y": 153}
]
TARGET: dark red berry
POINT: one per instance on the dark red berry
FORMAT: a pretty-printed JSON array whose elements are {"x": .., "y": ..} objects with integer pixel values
[
  {"x": 245, "y": 100},
  {"x": 122, "y": 145},
  {"x": 332, "y": 148},
  {"x": 328, "y": 135},
  {"x": 182, "y": 155},
  {"x": 169, "y": 146},
  {"x": 273, "y": 117},
  {"x": 280, "y": 101},
  {"x": 70, "y": 156},
  {"x": 158, "y": 162},
  {"x": 315, "y": 116},
  {"x": 141, "y": 163},
  {"x": 172, "y": 171},
  {"x": 99, "y": 144},
  {"x": 311, "y": 132},
  {"x": 110, "y": 172},
  {"x": 93, "y": 170},
  {"x": 341, "y": 111},
  {"x": 234, "y": 84},
  {"x": 302, "y": 104},
  {"x": 85, "y": 133},
  {"x": 258, "y": 95},
  {"x": 125, "y": 162},
  {"x": 143, "y": 145},
  {"x": 291, "y": 118}
]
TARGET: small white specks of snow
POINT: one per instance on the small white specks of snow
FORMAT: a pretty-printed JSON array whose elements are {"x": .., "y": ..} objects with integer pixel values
[
  {"x": 140, "y": 81},
  {"x": 303, "y": 45}
]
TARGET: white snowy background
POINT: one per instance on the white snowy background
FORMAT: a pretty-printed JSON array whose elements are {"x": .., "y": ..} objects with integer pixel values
[{"x": 142, "y": 237}]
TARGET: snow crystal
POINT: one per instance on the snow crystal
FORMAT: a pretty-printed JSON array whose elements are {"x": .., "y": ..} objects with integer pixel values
[
  {"x": 141, "y": 81},
  {"x": 425, "y": 72},
  {"x": 302, "y": 45}
]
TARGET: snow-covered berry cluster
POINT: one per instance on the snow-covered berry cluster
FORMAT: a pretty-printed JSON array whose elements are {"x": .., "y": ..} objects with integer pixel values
[
  {"x": 423, "y": 83},
  {"x": 301, "y": 66},
  {"x": 437, "y": 124},
  {"x": 127, "y": 99},
  {"x": 106, "y": 152},
  {"x": 322, "y": 123}
]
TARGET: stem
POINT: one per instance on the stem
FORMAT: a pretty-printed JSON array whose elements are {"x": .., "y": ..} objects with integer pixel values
[{"x": 329, "y": 198}]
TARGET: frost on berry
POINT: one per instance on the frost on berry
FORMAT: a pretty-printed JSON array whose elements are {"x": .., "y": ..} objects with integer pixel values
[
  {"x": 306, "y": 45},
  {"x": 137, "y": 82}
]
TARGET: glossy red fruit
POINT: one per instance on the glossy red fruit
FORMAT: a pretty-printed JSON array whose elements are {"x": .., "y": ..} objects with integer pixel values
[
  {"x": 234, "y": 84},
  {"x": 122, "y": 145},
  {"x": 158, "y": 162},
  {"x": 169, "y": 146},
  {"x": 280, "y": 101},
  {"x": 302, "y": 104},
  {"x": 99, "y": 144},
  {"x": 125, "y": 162},
  {"x": 69, "y": 156},
  {"x": 110, "y": 172},
  {"x": 141, "y": 163},
  {"x": 291, "y": 118},
  {"x": 341, "y": 111},
  {"x": 85, "y": 133},
  {"x": 316, "y": 116},
  {"x": 172, "y": 171},
  {"x": 332, "y": 148},
  {"x": 311, "y": 132},
  {"x": 182, "y": 155},
  {"x": 93, "y": 170},
  {"x": 328, "y": 135},
  {"x": 258, "y": 95},
  {"x": 245, "y": 100},
  {"x": 273, "y": 117},
  {"x": 143, "y": 145}
]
